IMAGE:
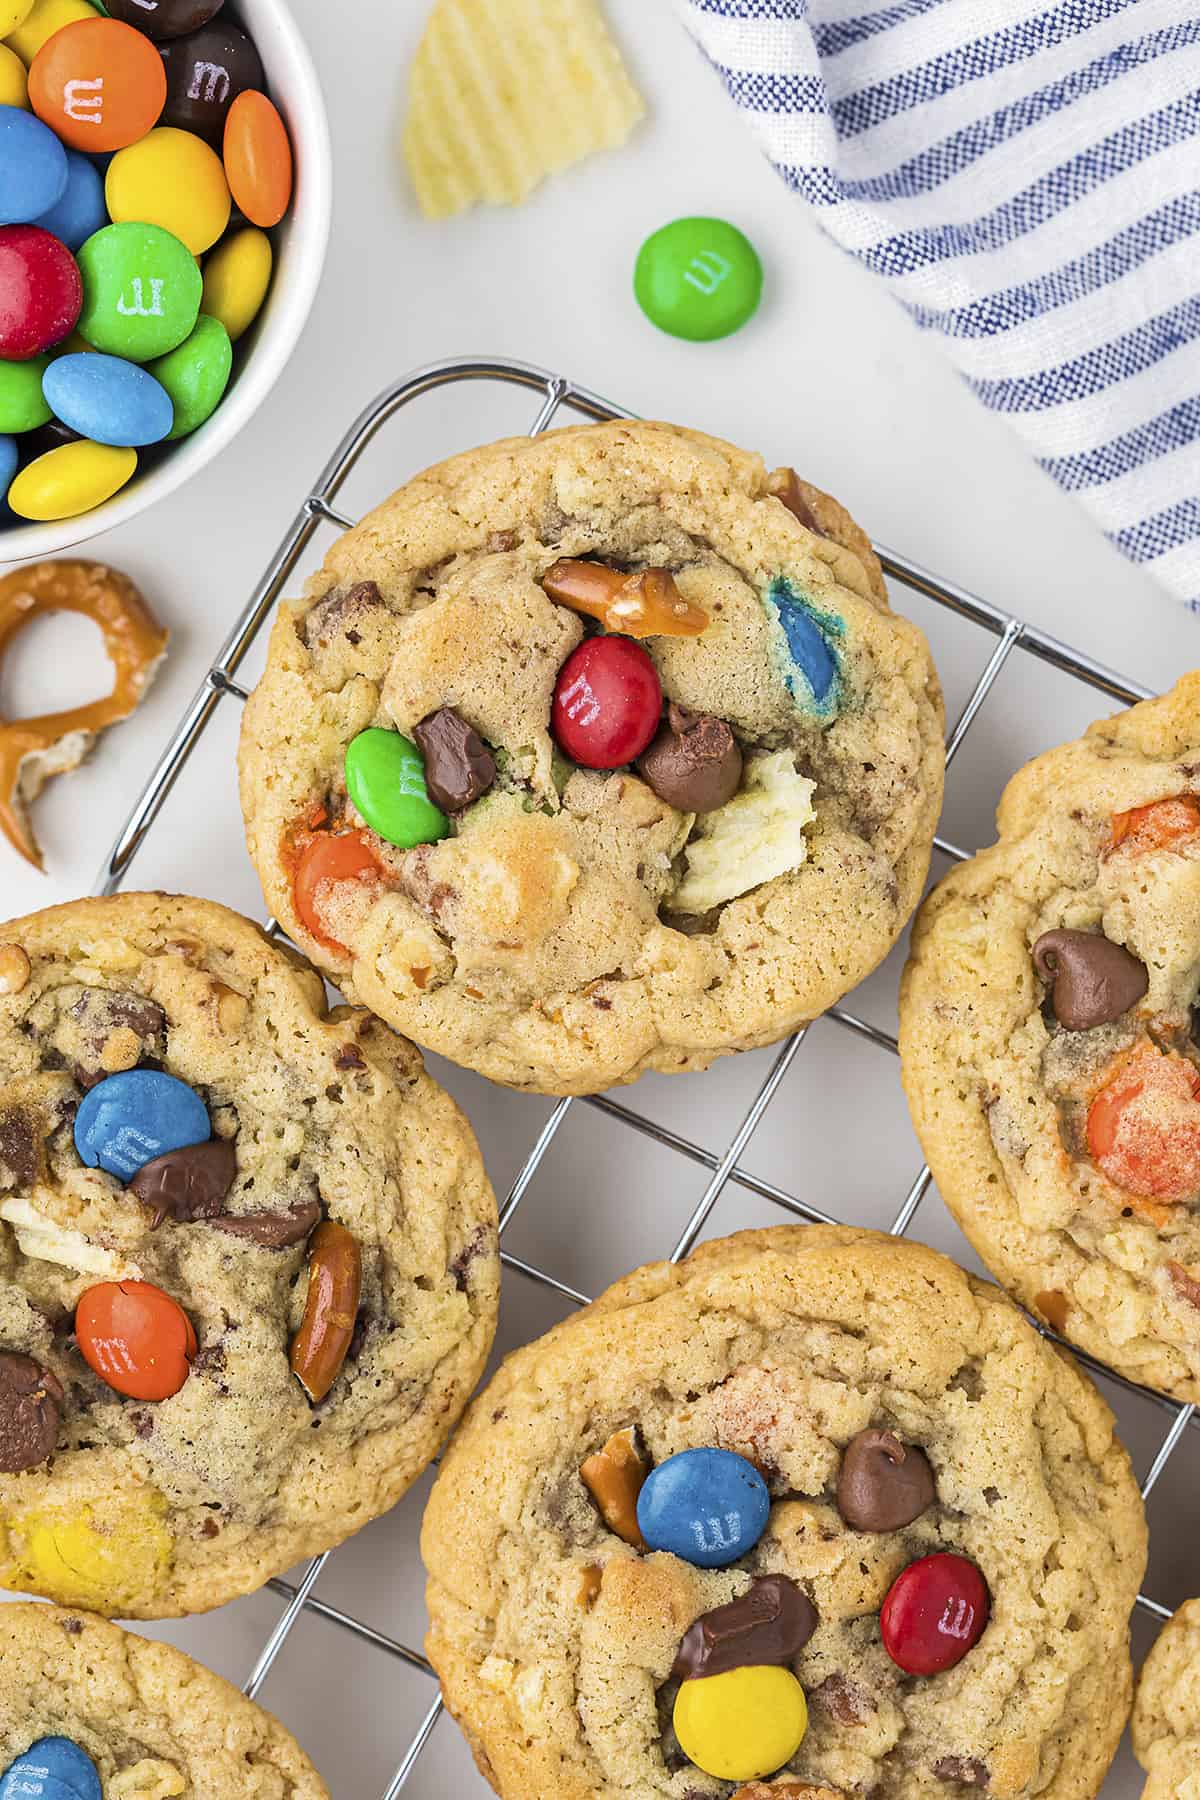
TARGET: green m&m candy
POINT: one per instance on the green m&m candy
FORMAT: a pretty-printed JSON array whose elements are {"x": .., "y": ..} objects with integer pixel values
[
  {"x": 141, "y": 291},
  {"x": 385, "y": 777},
  {"x": 698, "y": 278},
  {"x": 196, "y": 374},
  {"x": 23, "y": 406}
]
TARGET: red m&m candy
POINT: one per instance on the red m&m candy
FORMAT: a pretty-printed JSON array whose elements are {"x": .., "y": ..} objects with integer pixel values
[
  {"x": 934, "y": 1613},
  {"x": 41, "y": 291},
  {"x": 607, "y": 703},
  {"x": 136, "y": 1338}
]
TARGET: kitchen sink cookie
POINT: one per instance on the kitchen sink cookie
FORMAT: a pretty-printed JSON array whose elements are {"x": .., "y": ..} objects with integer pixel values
[
  {"x": 1048, "y": 1033},
  {"x": 813, "y": 1505},
  {"x": 593, "y": 754},
  {"x": 248, "y": 1260},
  {"x": 91, "y": 1712},
  {"x": 1166, "y": 1711}
]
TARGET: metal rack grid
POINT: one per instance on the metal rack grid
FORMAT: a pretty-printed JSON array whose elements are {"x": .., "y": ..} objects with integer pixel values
[{"x": 319, "y": 511}]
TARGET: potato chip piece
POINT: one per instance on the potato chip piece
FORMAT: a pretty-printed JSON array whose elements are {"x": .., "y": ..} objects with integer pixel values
[{"x": 505, "y": 92}]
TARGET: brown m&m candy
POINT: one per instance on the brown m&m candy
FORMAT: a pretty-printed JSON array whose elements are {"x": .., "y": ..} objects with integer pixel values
[
  {"x": 31, "y": 1401},
  {"x": 694, "y": 764},
  {"x": 459, "y": 767},
  {"x": 206, "y": 71},
  {"x": 769, "y": 1624},
  {"x": 164, "y": 18},
  {"x": 1093, "y": 981},
  {"x": 187, "y": 1184},
  {"x": 883, "y": 1484}
]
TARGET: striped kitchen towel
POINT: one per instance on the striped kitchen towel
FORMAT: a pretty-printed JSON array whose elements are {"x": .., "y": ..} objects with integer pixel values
[{"x": 1026, "y": 179}]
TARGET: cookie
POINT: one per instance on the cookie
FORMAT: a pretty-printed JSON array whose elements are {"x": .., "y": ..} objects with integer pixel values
[
  {"x": 141, "y": 1717},
  {"x": 940, "y": 1578},
  {"x": 1047, "y": 1034},
  {"x": 248, "y": 1260},
  {"x": 595, "y": 754},
  {"x": 1166, "y": 1711}
]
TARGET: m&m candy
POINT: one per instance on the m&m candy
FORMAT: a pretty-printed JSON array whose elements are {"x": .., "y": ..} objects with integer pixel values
[
  {"x": 327, "y": 861},
  {"x": 161, "y": 19},
  {"x": 41, "y": 291},
  {"x": 33, "y": 167},
  {"x": 698, "y": 278},
  {"x": 41, "y": 22},
  {"x": 607, "y": 703},
  {"x": 258, "y": 158},
  {"x": 79, "y": 209},
  {"x": 708, "y": 1507},
  {"x": 385, "y": 778},
  {"x": 743, "y": 1724},
  {"x": 54, "y": 1768},
  {"x": 236, "y": 278},
  {"x": 136, "y": 1338},
  {"x": 12, "y": 12},
  {"x": 129, "y": 1119},
  {"x": 14, "y": 82},
  {"x": 98, "y": 84},
  {"x": 22, "y": 403},
  {"x": 171, "y": 178},
  {"x": 206, "y": 71},
  {"x": 72, "y": 480},
  {"x": 935, "y": 1611},
  {"x": 109, "y": 400},
  {"x": 141, "y": 291},
  {"x": 196, "y": 375}
]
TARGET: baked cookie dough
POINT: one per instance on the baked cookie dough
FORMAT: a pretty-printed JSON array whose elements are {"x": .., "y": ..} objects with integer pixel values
[
  {"x": 899, "y": 1412},
  {"x": 1048, "y": 1041},
  {"x": 237, "y": 1354},
  {"x": 153, "y": 1724},
  {"x": 1166, "y": 1711},
  {"x": 752, "y": 827}
]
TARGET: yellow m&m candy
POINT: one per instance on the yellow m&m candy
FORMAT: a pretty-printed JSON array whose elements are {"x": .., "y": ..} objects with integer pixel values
[
  {"x": 41, "y": 21},
  {"x": 236, "y": 278},
  {"x": 172, "y": 179},
  {"x": 14, "y": 83},
  {"x": 741, "y": 1725},
  {"x": 71, "y": 480},
  {"x": 12, "y": 14}
]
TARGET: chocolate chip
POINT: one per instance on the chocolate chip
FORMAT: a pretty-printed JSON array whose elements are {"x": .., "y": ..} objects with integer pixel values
[
  {"x": 770, "y": 1623},
  {"x": 72, "y": 1627},
  {"x": 349, "y": 1057},
  {"x": 849, "y": 1703},
  {"x": 189, "y": 1184},
  {"x": 1094, "y": 980},
  {"x": 883, "y": 1484},
  {"x": 100, "y": 1011},
  {"x": 474, "y": 1247},
  {"x": 459, "y": 767},
  {"x": 694, "y": 763},
  {"x": 337, "y": 614},
  {"x": 785, "y": 486},
  {"x": 273, "y": 1230},
  {"x": 964, "y": 1769},
  {"x": 18, "y": 1148},
  {"x": 31, "y": 1401}
]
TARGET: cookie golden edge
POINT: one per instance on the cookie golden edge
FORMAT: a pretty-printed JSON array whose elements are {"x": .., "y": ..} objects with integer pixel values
[
  {"x": 1166, "y": 1711},
  {"x": 470, "y": 1477},
  {"x": 387, "y": 1463},
  {"x": 841, "y": 551},
  {"x": 85, "y": 1671},
  {"x": 949, "y": 1122}
]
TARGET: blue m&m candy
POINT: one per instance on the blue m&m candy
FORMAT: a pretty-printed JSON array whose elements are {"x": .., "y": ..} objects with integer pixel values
[
  {"x": 109, "y": 400},
  {"x": 128, "y": 1120},
  {"x": 80, "y": 208},
  {"x": 808, "y": 633},
  {"x": 708, "y": 1507},
  {"x": 33, "y": 167},
  {"x": 52, "y": 1769}
]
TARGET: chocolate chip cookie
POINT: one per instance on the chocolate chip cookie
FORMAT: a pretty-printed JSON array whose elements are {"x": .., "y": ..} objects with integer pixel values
[
  {"x": 86, "y": 1708},
  {"x": 1166, "y": 1711},
  {"x": 813, "y": 1505},
  {"x": 1049, "y": 1040},
  {"x": 248, "y": 1262},
  {"x": 595, "y": 754}
]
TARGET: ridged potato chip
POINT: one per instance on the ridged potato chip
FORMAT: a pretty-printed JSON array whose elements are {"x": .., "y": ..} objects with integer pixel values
[{"x": 505, "y": 92}]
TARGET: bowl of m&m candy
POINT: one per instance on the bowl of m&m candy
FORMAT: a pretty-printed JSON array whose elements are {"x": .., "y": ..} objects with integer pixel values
[{"x": 164, "y": 212}]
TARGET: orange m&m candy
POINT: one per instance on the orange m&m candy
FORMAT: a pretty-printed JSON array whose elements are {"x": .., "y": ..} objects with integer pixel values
[
  {"x": 258, "y": 158},
  {"x": 1163, "y": 825},
  {"x": 1143, "y": 1127},
  {"x": 98, "y": 84},
  {"x": 324, "y": 861},
  {"x": 136, "y": 1338}
]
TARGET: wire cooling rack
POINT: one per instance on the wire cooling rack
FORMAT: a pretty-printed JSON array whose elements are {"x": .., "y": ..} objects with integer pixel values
[{"x": 319, "y": 511}]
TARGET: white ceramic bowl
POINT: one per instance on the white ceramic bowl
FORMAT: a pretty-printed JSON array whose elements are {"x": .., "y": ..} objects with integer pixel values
[{"x": 259, "y": 356}]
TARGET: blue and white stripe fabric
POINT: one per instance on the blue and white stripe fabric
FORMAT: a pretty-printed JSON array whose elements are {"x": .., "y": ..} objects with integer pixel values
[{"x": 1026, "y": 178}]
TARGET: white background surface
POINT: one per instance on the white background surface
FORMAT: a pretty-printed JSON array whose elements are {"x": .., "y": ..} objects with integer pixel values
[{"x": 830, "y": 376}]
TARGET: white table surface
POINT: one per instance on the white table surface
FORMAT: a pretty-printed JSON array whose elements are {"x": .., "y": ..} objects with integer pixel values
[{"x": 830, "y": 376}]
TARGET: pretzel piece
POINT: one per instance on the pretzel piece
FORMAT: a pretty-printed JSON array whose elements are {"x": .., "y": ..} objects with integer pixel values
[{"x": 32, "y": 750}]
